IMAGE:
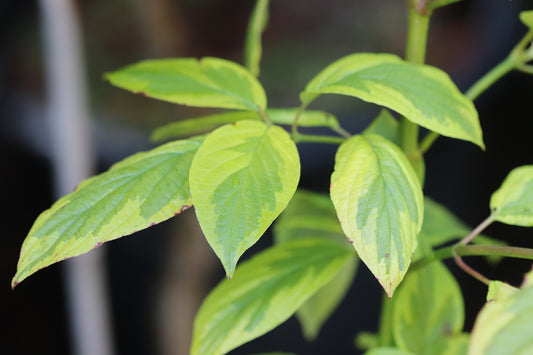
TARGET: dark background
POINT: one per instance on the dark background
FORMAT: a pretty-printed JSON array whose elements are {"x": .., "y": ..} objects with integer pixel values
[{"x": 466, "y": 39}]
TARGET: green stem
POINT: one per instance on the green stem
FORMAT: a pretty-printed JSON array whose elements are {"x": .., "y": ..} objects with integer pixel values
[
  {"x": 415, "y": 52},
  {"x": 311, "y": 138},
  {"x": 517, "y": 59},
  {"x": 490, "y": 78},
  {"x": 296, "y": 119},
  {"x": 264, "y": 116},
  {"x": 477, "y": 230}
]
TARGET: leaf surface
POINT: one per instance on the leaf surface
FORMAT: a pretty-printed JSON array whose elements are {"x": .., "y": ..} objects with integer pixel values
[
  {"x": 387, "y": 351},
  {"x": 209, "y": 82},
  {"x": 142, "y": 190},
  {"x": 379, "y": 203},
  {"x": 312, "y": 215},
  {"x": 427, "y": 310},
  {"x": 504, "y": 324},
  {"x": 527, "y": 18},
  {"x": 256, "y": 26},
  {"x": 193, "y": 126},
  {"x": 241, "y": 178},
  {"x": 423, "y": 94},
  {"x": 512, "y": 203},
  {"x": 265, "y": 292},
  {"x": 386, "y": 126}
]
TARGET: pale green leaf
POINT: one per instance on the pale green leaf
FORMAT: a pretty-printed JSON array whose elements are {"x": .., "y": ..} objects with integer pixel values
[
  {"x": 199, "y": 125},
  {"x": 209, "y": 82},
  {"x": 241, "y": 178},
  {"x": 379, "y": 203},
  {"x": 504, "y": 325},
  {"x": 527, "y": 18},
  {"x": 317, "y": 310},
  {"x": 456, "y": 344},
  {"x": 193, "y": 126},
  {"x": 512, "y": 203},
  {"x": 388, "y": 351},
  {"x": 142, "y": 190},
  {"x": 311, "y": 215},
  {"x": 265, "y": 292},
  {"x": 423, "y": 94},
  {"x": 256, "y": 26},
  {"x": 440, "y": 225},
  {"x": 427, "y": 309},
  {"x": 386, "y": 126}
]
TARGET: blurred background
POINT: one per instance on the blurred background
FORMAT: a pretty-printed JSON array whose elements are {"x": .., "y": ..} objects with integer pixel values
[{"x": 156, "y": 279}]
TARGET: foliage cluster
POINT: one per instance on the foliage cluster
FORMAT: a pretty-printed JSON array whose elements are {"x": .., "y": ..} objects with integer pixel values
[{"x": 240, "y": 170}]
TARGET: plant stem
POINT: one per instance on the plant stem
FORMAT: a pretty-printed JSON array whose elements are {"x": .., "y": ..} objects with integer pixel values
[
  {"x": 311, "y": 138},
  {"x": 490, "y": 78},
  {"x": 515, "y": 60},
  {"x": 469, "y": 270},
  {"x": 477, "y": 230},
  {"x": 264, "y": 116},
  {"x": 415, "y": 52}
]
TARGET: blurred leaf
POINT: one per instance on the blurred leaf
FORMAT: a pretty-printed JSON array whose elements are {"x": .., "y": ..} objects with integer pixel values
[
  {"x": 388, "y": 351},
  {"x": 427, "y": 310},
  {"x": 312, "y": 215},
  {"x": 527, "y": 18},
  {"x": 264, "y": 293},
  {"x": 386, "y": 126},
  {"x": 193, "y": 126}
]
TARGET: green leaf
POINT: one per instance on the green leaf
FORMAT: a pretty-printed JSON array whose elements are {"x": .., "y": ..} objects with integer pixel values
[
  {"x": 427, "y": 310},
  {"x": 504, "y": 324},
  {"x": 388, "y": 351},
  {"x": 199, "y": 125},
  {"x": 386, "y": 126},
  {"x": 317, "y": 310},
  {"x": 258, "y": 22},
  {"x": 209, "y": 82},
  {"x": 456, "y": 344},
  {"x": 142, "y": 190},
  {"x": 440, "y": 225},
  {"x": 379, "y": 203},
  {"x": 309, "y": 214},
  {"x": 242, "y": 177},
  {"x": 205, "y": 124},
  {"x": 312, "y": 215},
  {"x": 527, "y": 18},
  {"x": 265, "y": 292},
  {"x": 421, "y": 93},
  {"x": 513, "y": 201}
]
